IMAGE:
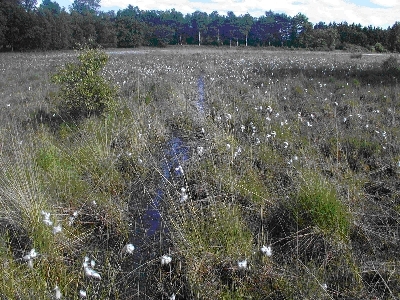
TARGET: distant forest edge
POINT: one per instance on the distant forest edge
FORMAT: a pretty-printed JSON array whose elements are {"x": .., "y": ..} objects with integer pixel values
[{"x": 24, "y": 25}]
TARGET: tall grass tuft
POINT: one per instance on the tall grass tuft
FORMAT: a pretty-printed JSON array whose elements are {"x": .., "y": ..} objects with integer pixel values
[{"x": 316, "y": 204}]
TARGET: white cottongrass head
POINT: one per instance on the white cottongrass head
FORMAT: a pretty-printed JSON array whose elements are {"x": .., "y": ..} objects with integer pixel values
[
  {"x": 128, "y": 248},
  {"x": 237, "y": 152},
  {"x": 45, "y": 214},
  {"x": 184, "y": 195},
  {"x": 267, "y": 250},
  {"x": 31, "y": 255},
  {"x": 30, "y": 264},
  {"x": 46, "y": 218},
  {"x": 166, "y": 259},
  {"x": 242, "y": 264},
  {"x": 200, "y": 150},
  {"x": 179, "y": 170},
  {"x": 85, "y": 261},
  {"x": 82, "y": 293},
  {"x": 57, "y": 292},
  {"x": 89, "y": 272},
  {"x": 57, "y": 229},
  {"x": 72, "y": 218}
]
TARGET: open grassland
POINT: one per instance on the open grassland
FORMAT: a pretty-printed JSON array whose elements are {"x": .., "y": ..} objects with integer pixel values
[{"x": 216, "y": 174}]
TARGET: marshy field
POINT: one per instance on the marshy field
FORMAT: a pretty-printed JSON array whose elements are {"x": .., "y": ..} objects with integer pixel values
[{"x": 199, "y": 173}]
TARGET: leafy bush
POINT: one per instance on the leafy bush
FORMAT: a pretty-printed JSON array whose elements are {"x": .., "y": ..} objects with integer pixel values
[
  {"x": 379, "y": 48},
  {"x": 84, "y": 91}
]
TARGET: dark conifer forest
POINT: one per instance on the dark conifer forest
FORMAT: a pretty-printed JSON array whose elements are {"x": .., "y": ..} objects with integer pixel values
[{"x": 28, "y": 25}]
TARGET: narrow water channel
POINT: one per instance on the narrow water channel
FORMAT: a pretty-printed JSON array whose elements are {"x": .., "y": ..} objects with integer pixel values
[
  {"x": 150, "y": 237},
  {"x": 175, "y": 154}
]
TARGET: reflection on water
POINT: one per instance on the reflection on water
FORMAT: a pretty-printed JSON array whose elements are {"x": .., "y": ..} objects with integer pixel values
[{"x": 175, "y": 154}]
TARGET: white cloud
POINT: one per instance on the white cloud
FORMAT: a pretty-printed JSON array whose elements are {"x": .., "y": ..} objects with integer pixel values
[
  {"x": 386, "y": 3},
  {"x": 316, "y": 10}
]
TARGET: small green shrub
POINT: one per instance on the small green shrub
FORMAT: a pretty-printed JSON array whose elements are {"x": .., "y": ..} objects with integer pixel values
[
  {"x": 84, "y": 91},
  {"x": 379, "y": 48}
]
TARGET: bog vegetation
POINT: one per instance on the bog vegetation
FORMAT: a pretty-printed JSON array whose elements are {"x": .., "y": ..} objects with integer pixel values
[
  {"x": 199, "y": 174},
  {"x": 29, "y": 25}
]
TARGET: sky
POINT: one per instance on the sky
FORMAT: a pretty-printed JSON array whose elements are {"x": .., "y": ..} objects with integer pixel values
[{"x": 379, "y": 13}]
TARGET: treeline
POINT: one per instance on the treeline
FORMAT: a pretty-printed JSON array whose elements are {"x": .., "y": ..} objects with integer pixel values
[{"x": 24, "y": 25}]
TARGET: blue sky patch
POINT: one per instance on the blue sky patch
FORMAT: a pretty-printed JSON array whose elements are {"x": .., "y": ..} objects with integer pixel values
[{"x": 365, "y": 3}]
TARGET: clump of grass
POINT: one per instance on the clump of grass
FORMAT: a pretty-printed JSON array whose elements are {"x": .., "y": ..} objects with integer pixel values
[
  {"x": 390, "y": 64},
  {"x": 250, "y": 185},
  {"x": 298, "y": 92},
  {"x": 83, "y": 180},
  {"x": 317, "y": 204},
  {"x": 322, "y": 281},
  {"x": 24, "y": 230},
  {"x": 361, "y": 153},
  {"x": 214, "y": 239},
  {"x": 80, "y": 169},
  {"x": 356, "y": 55},
  {"x": 220, "y": 231}
]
